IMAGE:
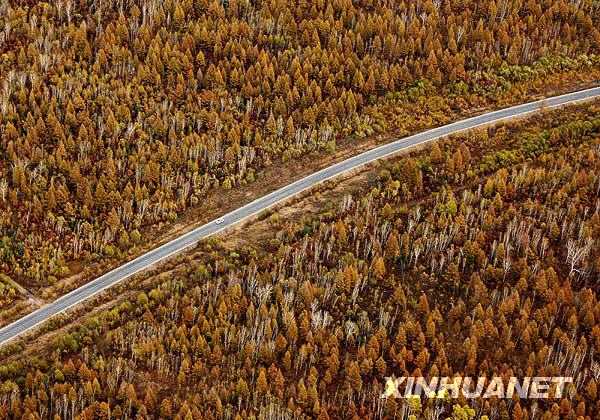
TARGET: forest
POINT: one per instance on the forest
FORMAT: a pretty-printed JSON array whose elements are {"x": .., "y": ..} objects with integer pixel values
[
  {"x": 119, "y": 116},
  {"x": 477, "y": 256}
]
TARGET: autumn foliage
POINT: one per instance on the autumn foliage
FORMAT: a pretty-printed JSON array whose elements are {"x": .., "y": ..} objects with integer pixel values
[
  {"x": 116, "y": 116},
  {"x": 477, "y": 256}
]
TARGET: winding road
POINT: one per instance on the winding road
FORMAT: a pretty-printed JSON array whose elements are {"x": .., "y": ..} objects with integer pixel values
[{"x": 20, "y": 326}]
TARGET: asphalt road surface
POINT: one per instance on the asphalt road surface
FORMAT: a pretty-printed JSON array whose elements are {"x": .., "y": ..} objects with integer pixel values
[{"x": 189, "y": 239}]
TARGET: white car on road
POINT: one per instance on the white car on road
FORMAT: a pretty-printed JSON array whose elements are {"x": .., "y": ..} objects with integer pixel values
[{"x": 219, "y": 221}]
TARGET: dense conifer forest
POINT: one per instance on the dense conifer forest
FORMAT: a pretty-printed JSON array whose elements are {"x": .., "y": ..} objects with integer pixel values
[
  {"x": 120, "y": 115},
  {"x": 478, "y": 255}
]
